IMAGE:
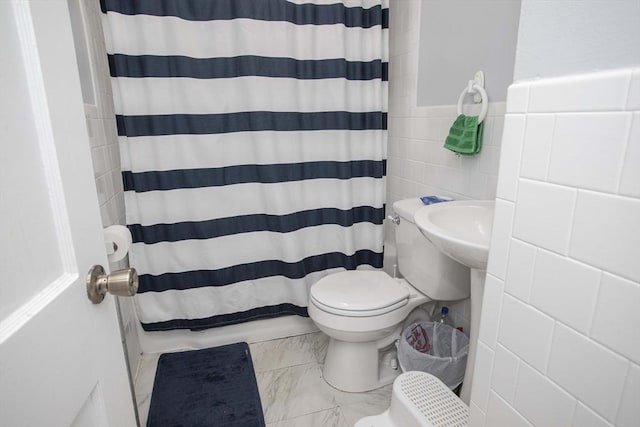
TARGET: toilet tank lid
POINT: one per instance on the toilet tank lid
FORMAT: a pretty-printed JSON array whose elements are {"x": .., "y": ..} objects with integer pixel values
[
  {"x": 358, "y": 290},
  {"x": 407, "y": 208}
]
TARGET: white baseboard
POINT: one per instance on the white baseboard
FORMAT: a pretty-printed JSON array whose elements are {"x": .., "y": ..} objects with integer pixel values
[{"x": 250, "y": 332}]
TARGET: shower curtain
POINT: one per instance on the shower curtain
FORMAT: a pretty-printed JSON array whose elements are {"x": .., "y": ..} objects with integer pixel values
[{"x": 253, "y": 143}]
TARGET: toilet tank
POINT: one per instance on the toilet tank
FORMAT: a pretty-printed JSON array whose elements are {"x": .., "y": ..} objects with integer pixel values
[{"x": 421, "y": 263}]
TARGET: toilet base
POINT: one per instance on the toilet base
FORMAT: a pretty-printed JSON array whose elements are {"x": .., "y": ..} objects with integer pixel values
[{"x": 361, "y": 366}]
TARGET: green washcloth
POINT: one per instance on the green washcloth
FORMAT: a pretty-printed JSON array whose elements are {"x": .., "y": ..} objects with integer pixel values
[{"x": 465, "y": 135}]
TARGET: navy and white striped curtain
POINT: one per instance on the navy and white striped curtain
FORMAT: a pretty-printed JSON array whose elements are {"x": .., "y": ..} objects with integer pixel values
[{"x": 253, "y": 144}]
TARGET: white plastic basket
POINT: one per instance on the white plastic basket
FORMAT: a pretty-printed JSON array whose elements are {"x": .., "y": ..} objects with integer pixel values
[{"x": 420, "y": 400}]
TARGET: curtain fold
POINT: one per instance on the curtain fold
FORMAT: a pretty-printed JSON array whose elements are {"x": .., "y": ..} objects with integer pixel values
[{"x": 253, "y": 145}]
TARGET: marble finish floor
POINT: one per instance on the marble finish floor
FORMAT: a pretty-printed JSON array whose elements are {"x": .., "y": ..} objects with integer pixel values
[{"x": 292, "y": 390}]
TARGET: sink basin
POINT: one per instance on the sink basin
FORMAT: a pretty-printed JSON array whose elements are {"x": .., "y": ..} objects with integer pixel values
[{"x": 460, "y": 229}]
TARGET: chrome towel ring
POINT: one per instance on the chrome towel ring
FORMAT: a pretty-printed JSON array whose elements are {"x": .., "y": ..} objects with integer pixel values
[{"x": 474, "y": 87}]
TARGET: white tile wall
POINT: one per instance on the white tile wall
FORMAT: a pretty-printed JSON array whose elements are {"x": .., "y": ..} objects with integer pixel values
[
  {"x": 541, "y": 401},
  {"x": 630, "y": 179},
  {"x": 587, "y": 370},
  {"x": 526, "y": 332},
  {"x": 105, "y": 154},
  {"x": 558, "y": 283},
  {"x": 500, "y": 413},
  {"x": 492, "y": 306},
  {"x": 502, "y": 225},
  {"x": 537, "y": 146},
  {"x": 590, "y": 92},
  {"x": 518, "y": 98},
  {"x": 418, "y": 164},
  {"x": 482, "y": 376},
  {"x": 595, "y": 164},
  {"x": 520, "y": 265},
  {"x": 611, "y": 327},
  {"x": 606, "y": 233},
  {"x": 543, "y": 215},
  {"x": 476, "y": 415},
  {"x": 629, "y": 411},
  {"x": 513, "y": 130},
  {"x": 568, "y": 344},
  {"x": 505, "y": 373},
  {"x": 633, "y": 101},
  {"x": 585, "y": 417}
]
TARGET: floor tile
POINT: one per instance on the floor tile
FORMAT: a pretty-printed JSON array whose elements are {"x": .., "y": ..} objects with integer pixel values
[
  {"x": 144, "y": 384},
  {"x": 143, "y": 403},
  {"x": 282, "y": 353},
  {"x": 294, "y": 391},
  {"x": 357, "y": 405},
  {"x": 329, "y": 418},
  {"x": 320, "y": 343},
  {"x": 146, "y": 373}
]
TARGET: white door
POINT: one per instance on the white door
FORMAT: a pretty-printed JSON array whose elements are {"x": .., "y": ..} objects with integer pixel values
[{"x": 61, "y": 358}]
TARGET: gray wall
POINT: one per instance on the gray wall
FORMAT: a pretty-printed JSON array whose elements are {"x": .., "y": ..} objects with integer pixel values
[
  {"x": 460, "y": 37},
  {"x": 562, "y": 37}
]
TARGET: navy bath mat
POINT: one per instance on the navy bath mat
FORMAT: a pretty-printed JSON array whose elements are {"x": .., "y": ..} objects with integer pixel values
[{"x": 211, "y": 387}]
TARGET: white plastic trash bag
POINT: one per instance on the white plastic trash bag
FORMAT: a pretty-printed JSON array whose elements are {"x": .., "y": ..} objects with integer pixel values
[{"x": 444, "y": 353}]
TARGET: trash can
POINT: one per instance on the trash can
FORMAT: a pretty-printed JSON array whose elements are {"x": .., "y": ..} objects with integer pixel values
[{"x": 436, "y": 348}]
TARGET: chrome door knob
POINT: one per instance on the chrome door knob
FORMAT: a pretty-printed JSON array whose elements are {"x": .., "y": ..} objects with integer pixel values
[{"x": 122, "y": 283}]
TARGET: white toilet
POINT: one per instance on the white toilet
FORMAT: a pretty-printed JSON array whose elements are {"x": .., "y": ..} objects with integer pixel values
[{"x": 363, "y": 311}]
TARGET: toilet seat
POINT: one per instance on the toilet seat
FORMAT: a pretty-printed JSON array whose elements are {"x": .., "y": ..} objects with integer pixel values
[{"x": 358, "y": 294}]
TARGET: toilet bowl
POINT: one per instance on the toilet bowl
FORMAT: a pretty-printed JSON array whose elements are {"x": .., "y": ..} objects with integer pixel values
[
  {"x": 361, "y": 328},
  {"x": 363, "y": 311}
]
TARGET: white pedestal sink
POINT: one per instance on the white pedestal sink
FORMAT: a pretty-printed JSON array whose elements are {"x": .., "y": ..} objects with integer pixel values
[{"x": 462, "y": 231}]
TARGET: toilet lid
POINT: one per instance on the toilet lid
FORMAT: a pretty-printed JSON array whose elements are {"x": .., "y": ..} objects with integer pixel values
[{"x": 359, "y": 293}]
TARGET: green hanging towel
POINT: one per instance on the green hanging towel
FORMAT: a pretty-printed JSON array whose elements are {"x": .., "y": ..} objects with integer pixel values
[{"x": 465, "y": 135}]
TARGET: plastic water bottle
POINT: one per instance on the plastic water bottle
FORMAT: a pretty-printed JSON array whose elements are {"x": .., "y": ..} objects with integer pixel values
[{"x": 444, "y": 318}]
